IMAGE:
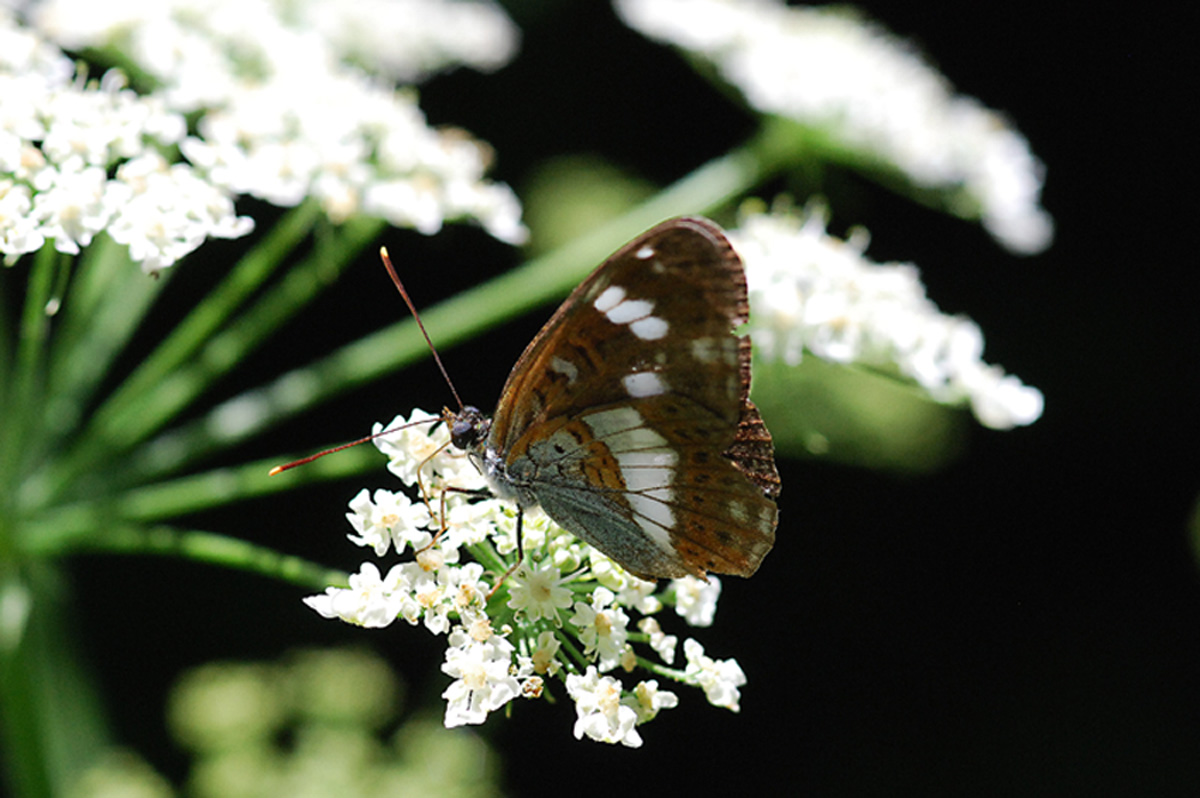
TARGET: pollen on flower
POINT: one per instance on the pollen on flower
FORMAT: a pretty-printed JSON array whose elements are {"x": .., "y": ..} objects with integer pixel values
[
  {"x": 481, "y": 629},
  {"x": 545, "y": 656},
  {"x": 431, "y": 559},
  {"x": 429, "y": 598}
]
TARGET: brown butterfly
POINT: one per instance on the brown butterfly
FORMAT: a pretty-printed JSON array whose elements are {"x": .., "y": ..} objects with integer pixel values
[{"x": 628, "y": 418}]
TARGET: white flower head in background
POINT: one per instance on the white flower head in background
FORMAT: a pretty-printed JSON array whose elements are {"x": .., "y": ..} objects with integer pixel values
[
  {"x": 568, "y": 613},
  {"x": 297, "y": 100},
  {"x": 78, "y": 158},
  {"x": 868, "y": 91},
  {"x": 813, "y": 293}
]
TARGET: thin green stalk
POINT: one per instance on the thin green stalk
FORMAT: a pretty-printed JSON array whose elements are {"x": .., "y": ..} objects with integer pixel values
[
  {"x": 92, "y": 287},
  {"x": 304, "y": 281},
  {"x": 190, "y": 334},
  {"x": 24, "y": 410},
  {"x": 50, "y": 714},
  {"x": 182, "y": 373},
  {"x": 60, "y": 527},
  {"x": 658, "y": 669},
  {"x": 203, "y": 546},
  {"x": 109, "y": 298},
  {"x": 7, "y": 347}
]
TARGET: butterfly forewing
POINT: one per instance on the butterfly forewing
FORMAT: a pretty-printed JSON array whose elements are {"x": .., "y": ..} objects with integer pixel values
[{"x": 628, "y": 419}]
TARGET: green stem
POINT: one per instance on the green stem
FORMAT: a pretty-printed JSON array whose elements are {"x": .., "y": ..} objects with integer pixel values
[
  {"x": 24, "y": 409},
  {"x": 179, "y": 374},
  {"x": 567, "y": 643},
  {"x": 109, "y": 299},
  {"x": 658, "y": 669},
  {"x": 7, "y": 346},
  {"x": 58, "y": 528},
  {"x": 50, "y": 716},
  {"x": 191, "y": 334},
  {"x": 202, "y": 546}
]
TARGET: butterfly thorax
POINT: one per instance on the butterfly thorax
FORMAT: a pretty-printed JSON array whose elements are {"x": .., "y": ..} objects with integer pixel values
[{"x": 469, "y": 430}]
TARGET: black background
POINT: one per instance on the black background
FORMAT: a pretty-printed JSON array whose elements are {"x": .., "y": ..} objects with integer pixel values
[{"x": 1023, "y": 622}]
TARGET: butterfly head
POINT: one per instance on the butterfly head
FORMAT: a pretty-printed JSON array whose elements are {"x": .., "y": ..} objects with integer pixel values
[{"x": 468, "y": 428}]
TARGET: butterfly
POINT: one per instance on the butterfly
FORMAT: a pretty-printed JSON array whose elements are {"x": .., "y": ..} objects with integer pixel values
[{"x": 628, "y": 418}]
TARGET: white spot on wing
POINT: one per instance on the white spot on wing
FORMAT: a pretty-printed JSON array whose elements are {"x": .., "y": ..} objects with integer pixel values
[
  {"x": 655, "y": 519},
  {"x": 633, "y": 439},
  {"x": 647, "y": 465},
  {"x": 606, "y": 422},
  {"x": 629, "y": 310},
  {"x": 609, "y": 298},
  {"x": 650, "y": 328},
  {"x": 654, "y": 481},
  {"x": 645, "y": 253},
  {"x": 651, "y": 458},
  {"x": 622, "y": 430},
  {"x": 644, "y": 383}
]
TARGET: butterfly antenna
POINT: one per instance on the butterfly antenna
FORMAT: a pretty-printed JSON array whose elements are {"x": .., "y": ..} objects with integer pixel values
[
  {"x": 305, "y": 460},
  {"x": 387, "y": 264}
]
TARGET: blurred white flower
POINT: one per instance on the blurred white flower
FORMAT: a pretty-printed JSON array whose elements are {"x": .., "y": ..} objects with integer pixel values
[
  {"x": 78, "y": 158},
  {"x": 811, "y": 292},
  {"x": 868, "y": 91},
  {"x": 696, "y": 599},
  {"x": 297, "y": 99}
]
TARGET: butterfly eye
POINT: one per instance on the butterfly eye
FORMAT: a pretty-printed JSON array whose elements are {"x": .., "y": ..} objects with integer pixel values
[{"x": 468, "y": 428}]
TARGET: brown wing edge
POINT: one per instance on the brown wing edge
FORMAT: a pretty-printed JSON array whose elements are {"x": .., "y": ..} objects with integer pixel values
[{"x": 753, "y": 453}]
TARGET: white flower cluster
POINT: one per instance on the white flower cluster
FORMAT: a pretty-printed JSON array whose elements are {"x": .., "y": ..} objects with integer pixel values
[
  {"x": 78, "y": 158},
  {"x": 296, "y": 99},
  {"x": 565, "y": 613},
  {"x": 812, "y": 292},
  {"x": 870, "y": 92}
]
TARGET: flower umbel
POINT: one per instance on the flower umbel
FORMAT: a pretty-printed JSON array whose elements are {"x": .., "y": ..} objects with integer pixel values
[
  {"x": 296, "y": 100},
  {"x": 814, "y": 293},
  {"x": 565, "y": 615},
  {"x": 78, "y": 158},
  {"x": 870, "y": 93}
]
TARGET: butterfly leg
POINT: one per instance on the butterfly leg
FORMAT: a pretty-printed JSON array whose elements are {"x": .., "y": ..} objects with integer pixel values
[
  {"x": 520, "y": 553},
  {"x": 441, "y": 513}
]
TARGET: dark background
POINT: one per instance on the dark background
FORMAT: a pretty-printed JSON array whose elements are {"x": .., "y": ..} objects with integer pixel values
[{"x": 1023, "y": 622}]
